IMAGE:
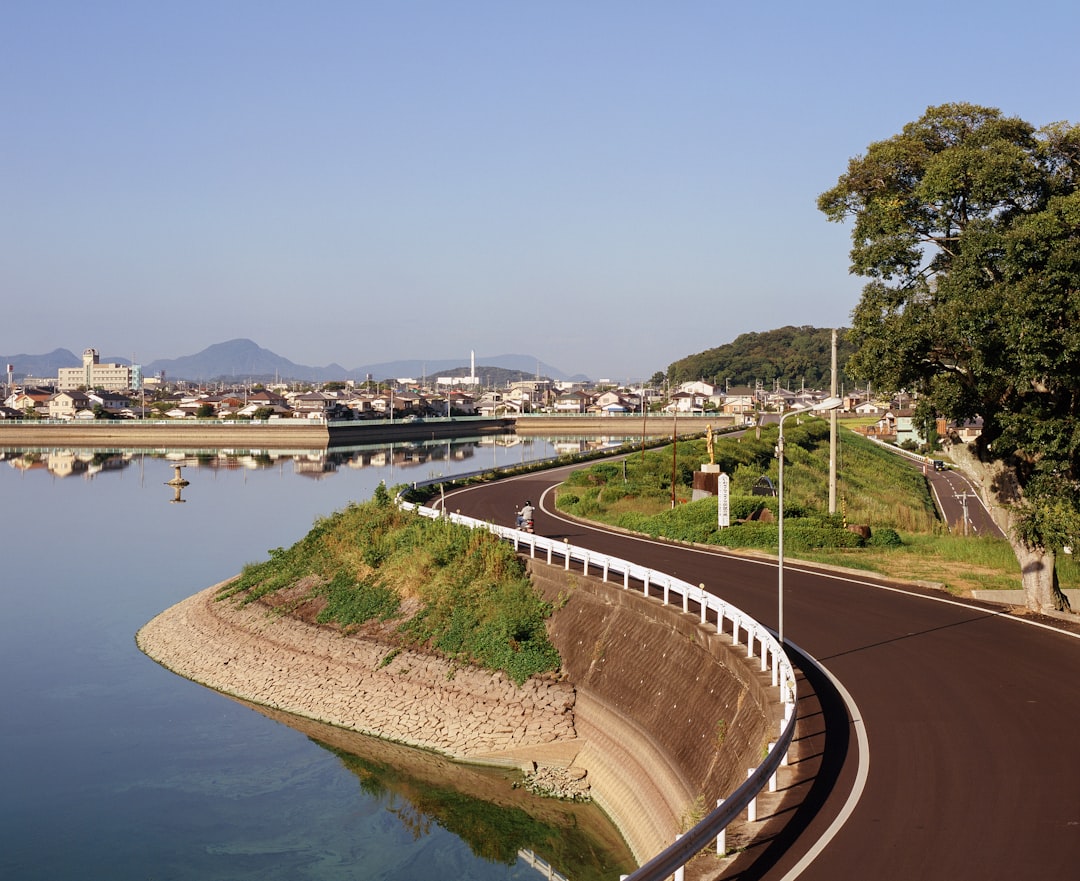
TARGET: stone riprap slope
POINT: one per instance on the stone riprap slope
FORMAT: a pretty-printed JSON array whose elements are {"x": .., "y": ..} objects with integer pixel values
[
  {"x": 312, "y": 671},
  {"x": 653, "y": 713}
]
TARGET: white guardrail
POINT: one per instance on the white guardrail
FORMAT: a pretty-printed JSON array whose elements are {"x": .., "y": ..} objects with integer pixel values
[{"x": 727, "y": 618}]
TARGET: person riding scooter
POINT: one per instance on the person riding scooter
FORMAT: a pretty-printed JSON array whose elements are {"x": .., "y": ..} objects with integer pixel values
[{"x": 525, "y": 517}]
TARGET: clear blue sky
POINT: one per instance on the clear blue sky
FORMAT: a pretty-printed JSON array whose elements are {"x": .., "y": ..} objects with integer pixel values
[{"x": 606, "y": 186}]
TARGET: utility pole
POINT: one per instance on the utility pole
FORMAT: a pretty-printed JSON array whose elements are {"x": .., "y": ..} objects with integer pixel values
[
  {"x": 832, "y": 433},
  {"x": 963, "y": 497},
  {"x": 674, "y": 451}
]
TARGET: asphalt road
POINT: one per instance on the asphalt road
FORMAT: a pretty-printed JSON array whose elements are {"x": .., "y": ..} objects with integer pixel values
[
  {"x": 960, "y": 504},
  {"x": 936, "y": 734}
]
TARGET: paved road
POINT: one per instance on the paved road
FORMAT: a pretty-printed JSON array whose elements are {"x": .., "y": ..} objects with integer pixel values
[
  {"x": 960, "y": 504},
  {"x": 969, "y": 716}
]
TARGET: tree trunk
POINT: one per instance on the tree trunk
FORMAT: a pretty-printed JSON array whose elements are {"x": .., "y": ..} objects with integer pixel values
[
  {"x": 1002, "y": 493},
  {"x": 1039, "y": 577}
]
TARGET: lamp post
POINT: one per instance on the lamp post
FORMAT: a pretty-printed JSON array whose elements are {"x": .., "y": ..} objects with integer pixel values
[{"x": 819, "y": 407}]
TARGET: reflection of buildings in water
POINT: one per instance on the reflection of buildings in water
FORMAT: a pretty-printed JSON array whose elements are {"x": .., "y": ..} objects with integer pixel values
[
  {"x": 314, "y": 466},
  {"x": 63, "y": 463},
  {"x": 27, "y": 462},
  {"x": 310, "y": 463},
  {"x": 87, "y": 463},
  {"x": 501, "y": 440},
  {"x": 407, "y": 455}
]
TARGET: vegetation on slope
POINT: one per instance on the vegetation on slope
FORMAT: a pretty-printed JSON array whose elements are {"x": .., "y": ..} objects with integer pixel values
[
  {"x": 876, "y": 489},
  {"x": 641, "y": 500},
  {"x": 433, "y": 584},
  {"x": 792, "y": 355}
]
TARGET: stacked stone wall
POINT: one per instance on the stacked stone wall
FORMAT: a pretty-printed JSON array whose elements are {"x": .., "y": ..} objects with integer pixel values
[{"x": 315, "y": 672}]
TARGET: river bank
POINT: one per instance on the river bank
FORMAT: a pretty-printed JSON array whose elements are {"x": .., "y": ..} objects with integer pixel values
[
  {"x": 192, "y": 434},
  {"x": 313, "y": 434},
  {"x": 640, "y": 731}
]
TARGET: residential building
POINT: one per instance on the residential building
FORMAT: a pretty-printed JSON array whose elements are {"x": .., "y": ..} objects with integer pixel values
[
  {"x": 95, "y": 375},
  {"x": 573, "y": 402},
  {"x": 612, "y": 402},
  {"x": 698, "y": 387},
  {"x": 740, "y": 399},
  {"x": 36, "y": 399},
  {"x": 111, "y": 402},
  {"x": 65, "y": 405}
]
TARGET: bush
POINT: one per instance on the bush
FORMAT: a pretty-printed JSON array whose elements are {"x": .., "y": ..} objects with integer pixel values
[{"x": 885, "y": 538}]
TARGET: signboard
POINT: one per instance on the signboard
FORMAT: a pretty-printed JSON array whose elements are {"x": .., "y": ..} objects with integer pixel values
[{"x": 723, "y": 501}]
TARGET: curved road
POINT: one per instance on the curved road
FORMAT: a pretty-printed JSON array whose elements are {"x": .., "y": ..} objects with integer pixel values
[
  {"x": 960, "y": 505},
  {"x": 969, "y": 714}
]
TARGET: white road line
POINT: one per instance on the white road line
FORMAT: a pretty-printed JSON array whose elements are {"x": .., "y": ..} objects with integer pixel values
[{"x": 861, "y": 775}]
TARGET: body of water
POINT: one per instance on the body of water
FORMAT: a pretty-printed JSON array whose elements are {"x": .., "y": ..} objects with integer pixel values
[{"x": 113, "y": 767}]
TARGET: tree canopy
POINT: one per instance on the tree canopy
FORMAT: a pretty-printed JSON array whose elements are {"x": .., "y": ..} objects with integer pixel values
[
  {"x": 792, "y": 355},
  {"x": 967, "y": 225}
]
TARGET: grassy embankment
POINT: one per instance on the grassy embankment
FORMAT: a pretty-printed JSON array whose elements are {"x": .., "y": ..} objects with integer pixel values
[
  {"x": 876, "y": 488},
  {"x": 421, "y": 583}
]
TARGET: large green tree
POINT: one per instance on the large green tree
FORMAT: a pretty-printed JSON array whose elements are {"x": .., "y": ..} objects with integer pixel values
[{"x": 967, "y": 225}]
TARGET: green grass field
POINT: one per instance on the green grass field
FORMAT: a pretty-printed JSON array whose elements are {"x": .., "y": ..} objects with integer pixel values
[{"x": 876, "y": 488}]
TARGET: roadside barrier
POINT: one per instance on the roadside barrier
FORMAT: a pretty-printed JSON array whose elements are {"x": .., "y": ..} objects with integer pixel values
[{"x": 711, "y": 609}]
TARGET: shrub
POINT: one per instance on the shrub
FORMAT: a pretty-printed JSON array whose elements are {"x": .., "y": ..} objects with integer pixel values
[{"x": 885, "y": 538}]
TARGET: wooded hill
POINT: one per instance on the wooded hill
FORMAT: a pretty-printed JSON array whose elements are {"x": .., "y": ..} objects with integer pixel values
[{"x": 796, "y": 356}]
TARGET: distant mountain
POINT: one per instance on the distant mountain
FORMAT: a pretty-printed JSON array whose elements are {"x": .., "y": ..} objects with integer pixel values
[
  {"x": 242, "y": 359},
  {"x": 42, "y": 366},
  {"x": 46, "y": 366},
  {"x": 239, "y": 359}
]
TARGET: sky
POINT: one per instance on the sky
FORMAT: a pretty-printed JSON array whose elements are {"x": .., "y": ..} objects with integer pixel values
[{"x": 604, "y": 186}]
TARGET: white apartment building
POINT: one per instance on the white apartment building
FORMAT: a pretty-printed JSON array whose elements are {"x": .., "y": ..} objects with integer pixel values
[{"x": 94, "y": 374}]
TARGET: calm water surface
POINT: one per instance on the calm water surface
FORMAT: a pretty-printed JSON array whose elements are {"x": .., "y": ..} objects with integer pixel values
[{"x": 113, "y": 767}]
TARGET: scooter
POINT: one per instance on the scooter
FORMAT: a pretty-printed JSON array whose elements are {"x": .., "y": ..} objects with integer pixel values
[{"x": 525, "y": 524}]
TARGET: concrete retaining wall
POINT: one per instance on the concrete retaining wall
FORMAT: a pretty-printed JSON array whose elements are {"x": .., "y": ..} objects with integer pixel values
[
  {"x": 293, "y": 434},
  {"x": 281, "y": 434},
  {"x": 670, "y": 714}
]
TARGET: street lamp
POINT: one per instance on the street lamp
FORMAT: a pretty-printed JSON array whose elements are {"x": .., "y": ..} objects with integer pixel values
[{"x": 819, "y": 407}]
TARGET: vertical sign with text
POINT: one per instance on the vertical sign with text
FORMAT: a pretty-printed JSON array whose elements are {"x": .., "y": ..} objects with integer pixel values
[{"x": 723, "y": 501}]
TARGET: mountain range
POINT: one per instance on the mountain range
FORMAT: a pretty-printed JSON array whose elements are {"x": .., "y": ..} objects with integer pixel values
[{"x": 242, "y": 359}]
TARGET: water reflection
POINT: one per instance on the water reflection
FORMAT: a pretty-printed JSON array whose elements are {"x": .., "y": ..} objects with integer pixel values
[
  {"x": 441, "y": 458},
  {"x": 150, "y": 775},
  {"x": 500, "y": 822}
]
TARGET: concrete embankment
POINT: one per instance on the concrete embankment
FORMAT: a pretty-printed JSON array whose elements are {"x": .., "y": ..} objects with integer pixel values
[
  {"x": 280, "y": 434},
  {"x": 298, "y": 434},
  {"x": 652, "y": 708}
]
